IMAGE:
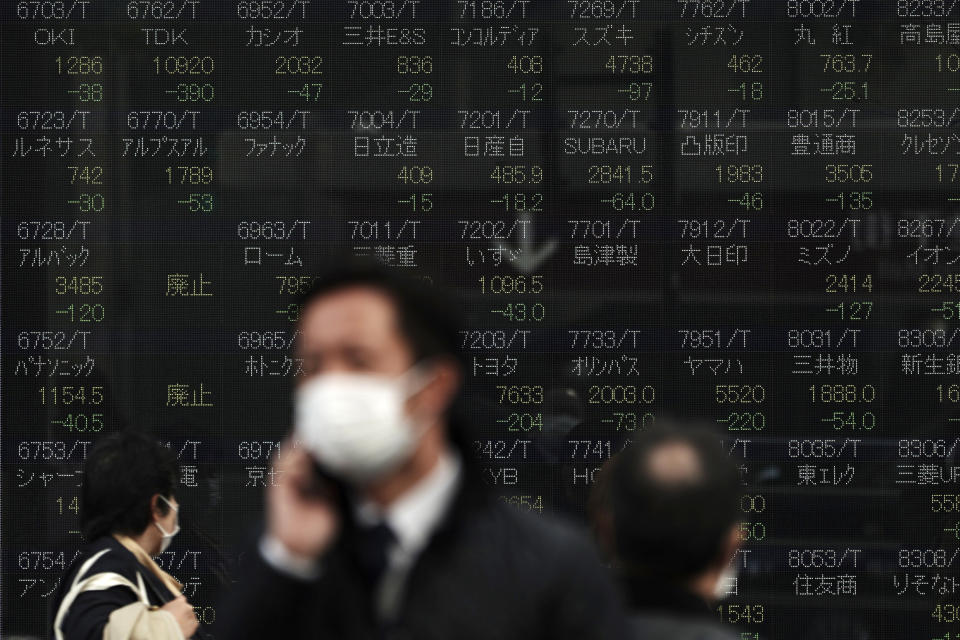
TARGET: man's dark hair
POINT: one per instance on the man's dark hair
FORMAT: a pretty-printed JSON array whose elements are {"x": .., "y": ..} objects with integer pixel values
[
  {"x": 429, "y": 319},
  {"x": 122, "y": 472},
  {"x": 672, "y": 524}
]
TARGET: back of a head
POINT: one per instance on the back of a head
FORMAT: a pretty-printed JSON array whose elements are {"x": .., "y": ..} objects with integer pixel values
[
  {"x": 674, "y": 496},
  {"x": 122, "y": 472}
]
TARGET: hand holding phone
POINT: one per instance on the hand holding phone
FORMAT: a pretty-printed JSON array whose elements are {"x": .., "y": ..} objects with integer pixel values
[{"x": 302, "y": 511}]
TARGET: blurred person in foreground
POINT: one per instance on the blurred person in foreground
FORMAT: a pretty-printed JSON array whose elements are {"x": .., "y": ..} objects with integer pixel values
[
  {"x": 665, "y": 511},
  {"x": 114, "y": 590},
  {"x": 379, "y": 526}
]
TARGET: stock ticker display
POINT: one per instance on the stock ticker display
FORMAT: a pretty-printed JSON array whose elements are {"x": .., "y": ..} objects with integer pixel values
[{"x": 741, "y": 211}]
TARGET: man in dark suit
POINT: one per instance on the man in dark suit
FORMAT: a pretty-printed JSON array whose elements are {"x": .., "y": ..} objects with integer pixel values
[
  {"x": 400, "y": 538},
  {"x": 667, "y": 513}
]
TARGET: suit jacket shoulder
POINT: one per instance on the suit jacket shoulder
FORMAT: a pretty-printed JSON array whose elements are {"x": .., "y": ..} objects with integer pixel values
[
  {"x": 505, "y": 573},
  {"x": 489, "y": 572}
]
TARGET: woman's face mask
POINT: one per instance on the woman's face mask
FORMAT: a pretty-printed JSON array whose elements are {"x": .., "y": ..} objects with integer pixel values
[
  {"x": 356, "y": 425},
  {"x": 168, "y": 537}
]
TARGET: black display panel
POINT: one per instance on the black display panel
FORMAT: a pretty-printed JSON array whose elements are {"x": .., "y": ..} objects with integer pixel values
[{"x": 741, "y": 211}]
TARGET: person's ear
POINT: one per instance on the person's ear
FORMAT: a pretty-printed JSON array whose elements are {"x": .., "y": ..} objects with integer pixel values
[
  {"x": 604, "y": 534},
  {"x": 440, "y": 390},
  {"x": 155, "y": 503},
  {"x": 731, "y": 544}
]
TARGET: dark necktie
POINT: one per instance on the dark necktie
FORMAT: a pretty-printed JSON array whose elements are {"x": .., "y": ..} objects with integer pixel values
[{"x": 373, "y": 549}]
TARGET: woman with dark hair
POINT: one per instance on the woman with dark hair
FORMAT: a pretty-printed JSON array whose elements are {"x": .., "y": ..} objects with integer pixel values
[{"x": 114, "y": 590}]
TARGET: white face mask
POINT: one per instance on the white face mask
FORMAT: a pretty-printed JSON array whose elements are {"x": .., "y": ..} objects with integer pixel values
[
  {"x": 168, "y": 537},
  {"x": 355, "y": 425}
]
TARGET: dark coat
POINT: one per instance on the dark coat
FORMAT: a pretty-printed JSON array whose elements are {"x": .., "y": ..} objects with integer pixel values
[
  {"x": 489, "y": 572},
  {"x": 661, "y": 611},
  {"x": 91, "y": 610}
]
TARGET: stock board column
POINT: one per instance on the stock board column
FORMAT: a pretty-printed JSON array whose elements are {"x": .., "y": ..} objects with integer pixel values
[
  {"x": 173, "y": 82},
  {"x": 605, "y": 154},
  {"x": 918, "y": 238},
  {"x": 490, "y": 56},
  {"x": 724, "y": 261},
  {"x": 828, "y": 168},
  {"x": 60, "y": 183},
  {"x": 278, "y": 214},
  {"x": 383, "y": 106}
]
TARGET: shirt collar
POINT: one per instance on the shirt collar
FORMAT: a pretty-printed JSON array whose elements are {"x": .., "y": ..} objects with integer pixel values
[{"x": 414, "y": 515}]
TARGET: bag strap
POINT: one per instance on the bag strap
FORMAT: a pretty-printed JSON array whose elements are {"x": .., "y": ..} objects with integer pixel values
[{"x": 96, "y": 582}]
